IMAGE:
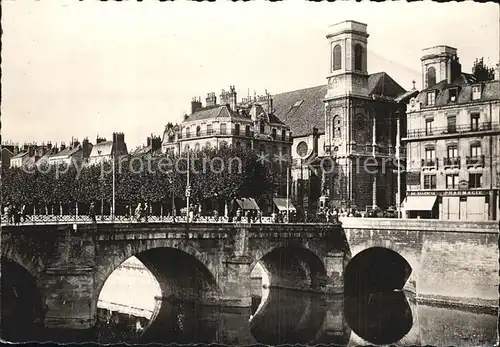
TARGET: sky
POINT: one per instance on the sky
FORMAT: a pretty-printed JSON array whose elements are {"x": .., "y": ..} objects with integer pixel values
[{"x": 79, "y": 69}]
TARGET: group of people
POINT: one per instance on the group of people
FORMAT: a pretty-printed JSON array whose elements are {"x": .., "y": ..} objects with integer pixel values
[{"x": 15, "y": 213}]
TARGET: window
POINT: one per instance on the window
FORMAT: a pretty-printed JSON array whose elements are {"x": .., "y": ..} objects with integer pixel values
[
  {"x": 431, "y": 98},
  {"x": 430, "y": 156},
  {"x": 198, "y": 131},
  {"x": 262, "y": 127},
  {"x": 453, "y": 93},
  {"x": 209, "y": 129},
  {"x": 223, "y": 128},
  {"x": 247, "y": 130},
  {"x": 452, "y": 124},
  {"x": 336, "y": 58},
  {"x": 452, "y": 181},
  {"x": 429, "y": 181},
  {"x": 475, "y": 150},
  {"x": 428, "y": 126},
  {"x": 336, "y": 132},
  {"x": 452, "y": 151},
  {"x": 188, "y": 132},
  {"x": 474, "y": 122},
  {"x": 358, "y": 57},
  {"x": 431, "y": 77},
  {"x": 302, "y": 149},
  {"x": 273, "y": 134},
  {"x": 186, "y": 148},
  {"x": 236, "y": 129},
  {"x": 171, "y": 138},
  {"x": 238, "y": 144},
  {"x": 283, "y": 135},
  {"x": 475, "y": 180},
  {"x": 476, "y": 92}
]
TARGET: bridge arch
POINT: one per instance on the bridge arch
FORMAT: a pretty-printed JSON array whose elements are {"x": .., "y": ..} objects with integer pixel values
[
  {"x": 22, "y": 313},
  {"x": 292, "y": 266},
  {"x": 376, "y": 270}
]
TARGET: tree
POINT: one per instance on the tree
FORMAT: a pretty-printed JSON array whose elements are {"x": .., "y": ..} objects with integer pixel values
[{"x": 482, "y": 72}]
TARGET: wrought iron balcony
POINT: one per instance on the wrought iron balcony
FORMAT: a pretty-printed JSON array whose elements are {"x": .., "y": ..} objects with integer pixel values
[
  {"x": 475, "y": 161},
  {"x": 459, "y": 129},
  {"x": 429, "y": 163},
  {"x": 451, "y": 163}
]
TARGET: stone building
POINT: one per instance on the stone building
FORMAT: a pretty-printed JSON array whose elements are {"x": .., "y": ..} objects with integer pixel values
[
  {"x": 348, "y": 127},
  {"x": 103, "y": 150},
  {"x": 453, "y": 142},
  {"x": 251, "y": 123}
]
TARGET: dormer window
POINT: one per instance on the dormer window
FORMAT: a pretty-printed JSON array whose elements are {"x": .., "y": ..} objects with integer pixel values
[
  {"x": 453, "y": 92},
  {"x": 476, "y": 92},
  {"x": 431, "y": 98}
]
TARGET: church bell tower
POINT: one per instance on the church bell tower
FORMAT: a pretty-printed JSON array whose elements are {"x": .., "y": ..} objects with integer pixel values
[{"x": 347, "y": 74}]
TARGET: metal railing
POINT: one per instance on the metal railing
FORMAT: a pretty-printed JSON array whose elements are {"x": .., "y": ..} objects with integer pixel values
[
  {"x": 475, "y": 161},
  {"x": 430, "y": 163},
  {"x": 459, "y": 129},
  {"x": 451, "y": 162},
  {"x": 217, "y": 132}
]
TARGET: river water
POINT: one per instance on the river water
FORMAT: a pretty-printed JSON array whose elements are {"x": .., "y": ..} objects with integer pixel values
[{"x": 283, "y": 316}]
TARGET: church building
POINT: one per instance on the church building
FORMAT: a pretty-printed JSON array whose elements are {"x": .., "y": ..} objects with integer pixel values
[{"x": 345, "y": 133}]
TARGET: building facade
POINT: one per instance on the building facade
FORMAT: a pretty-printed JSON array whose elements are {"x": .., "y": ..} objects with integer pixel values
[
  {"x": 103, "y": 150},
  {"x": 250, "y": 123},
  {"x": 452, "y": 142},
  {"x": 345, "y": 132}
]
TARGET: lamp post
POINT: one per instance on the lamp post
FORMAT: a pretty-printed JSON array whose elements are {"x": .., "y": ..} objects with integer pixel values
[
  {"x": 287, "y": 195},
  {"x": 188, "y": 190}
]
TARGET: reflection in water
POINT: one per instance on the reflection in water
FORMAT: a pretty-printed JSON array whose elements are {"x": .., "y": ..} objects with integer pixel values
[
  {"x": 380, "y": 318},
  {"x": 297, "y": 317}
]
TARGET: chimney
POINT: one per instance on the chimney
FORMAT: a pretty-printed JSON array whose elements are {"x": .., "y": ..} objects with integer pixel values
[
  {"x": 62, "y": 146},
  {"x": 269, "y": 103},
  {"x": 155, "y": 143},
  {"x": 186, "y": 117},
  {"x": 99, "y": 139},
  {"x": 86, "y": 148},
  {"x": 232, "y": 98},
  {"x": 195, "y": 105},
  {"x": 148, "y": 141},
  {"x": 49, "y": 145},
  {"x": 211, "y": 100},
  {"x": 456, "y": 69},
  {"x": 224, "y": 97}
]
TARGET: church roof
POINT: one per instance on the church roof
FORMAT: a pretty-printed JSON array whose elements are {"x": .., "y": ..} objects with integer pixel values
[
  {"x": 381, "y": 83},
  {"x": 301, "y": 110},
  {"x": 304, "y": 109}
]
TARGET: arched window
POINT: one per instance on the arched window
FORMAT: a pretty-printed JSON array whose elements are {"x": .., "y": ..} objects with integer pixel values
[
  {"x": 431, "y": 77},
  {"x": 336, "y": 58},
  {"x": 262, "y": 127},
  {"x": 337, "y": 129},
  {"x": 198, "y": 131},
  {"x": 358, "y": 57}
]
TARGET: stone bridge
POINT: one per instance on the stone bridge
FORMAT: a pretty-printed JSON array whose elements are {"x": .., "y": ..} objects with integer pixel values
[{"x": 57, "y": 271}]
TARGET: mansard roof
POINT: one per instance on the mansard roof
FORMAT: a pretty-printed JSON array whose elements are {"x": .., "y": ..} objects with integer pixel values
[
  {"x": 464, "y": 82},
  {"x": 215, "y": 112}
]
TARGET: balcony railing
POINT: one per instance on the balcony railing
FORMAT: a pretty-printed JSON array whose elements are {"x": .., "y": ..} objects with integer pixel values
[
  {"x": 430, "y": 163},
  {"x": 459, "y": 129},
  {"x": 476, "y": 161},
  {"x": 451, "y": 163},
  {"x": 380, "y": 150}
]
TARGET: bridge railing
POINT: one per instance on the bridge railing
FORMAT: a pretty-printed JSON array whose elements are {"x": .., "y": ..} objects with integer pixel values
[{"x": 84, "y": 219}]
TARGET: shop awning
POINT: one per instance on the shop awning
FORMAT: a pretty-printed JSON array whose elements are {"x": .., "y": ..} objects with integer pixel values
[
  {"x": 248, "y": 204},
  {"x": 281, "y": 204},
  {"x": 419, "y": 203}
]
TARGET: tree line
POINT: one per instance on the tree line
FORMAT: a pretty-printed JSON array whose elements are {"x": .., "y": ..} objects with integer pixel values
[{"x": 156, "y": 180}]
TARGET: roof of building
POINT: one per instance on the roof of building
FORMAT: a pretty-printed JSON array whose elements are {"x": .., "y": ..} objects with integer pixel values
[
  {"x": 6, "y": 149},
  {"x": 304, "y": 109},
  {"x": 301, "y": 109},
  {"x": 464, "y": 82},
  {"x": 214, "y": 112},
  {"x": 102, "y": 149},
  {"x": 19, "y": 155},
  {"x": 381, "y": 83},
  {"x": 67, "y": 152}
]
